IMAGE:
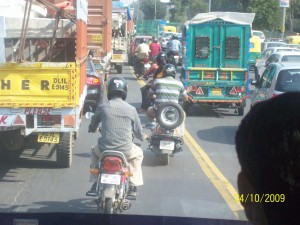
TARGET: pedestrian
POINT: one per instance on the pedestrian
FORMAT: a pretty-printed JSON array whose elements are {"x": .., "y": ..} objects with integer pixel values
[{"x": 268, "y": 149}]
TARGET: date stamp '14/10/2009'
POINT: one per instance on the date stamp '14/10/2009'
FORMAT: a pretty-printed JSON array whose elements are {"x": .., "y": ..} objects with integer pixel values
[{"x": 260, "y": 198}]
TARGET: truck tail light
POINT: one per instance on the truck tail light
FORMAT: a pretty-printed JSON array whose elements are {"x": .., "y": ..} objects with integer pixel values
[
  {"x": 48, "y": 120},
  {"x": 241, "y": 89},
  {"x": 93, "y": 80}
]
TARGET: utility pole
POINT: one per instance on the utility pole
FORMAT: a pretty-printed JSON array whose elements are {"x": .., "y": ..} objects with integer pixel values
[
  {"x": 209, "y": 5},
  {"x": 138, "y": 10},
  {"x": 155, "y": 10}
]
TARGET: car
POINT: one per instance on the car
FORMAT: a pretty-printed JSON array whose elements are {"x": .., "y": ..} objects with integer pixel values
[
  {"x": 94, "y": 82},
  {"x": 269, "y": 44},
  {"x": 266, "y": 54},
  {"x": 277, "y": 78},
  {"x": 135, "y": 42},
  {"x": 280, "y": 57},
  {"x": 164, "y": 39},
  {"x": 260, "y": 34}
]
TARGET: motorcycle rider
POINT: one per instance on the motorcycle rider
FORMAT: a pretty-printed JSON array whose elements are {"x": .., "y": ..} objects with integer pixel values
[
  {"x": 166, "y": 89},
  {"x": 141, "y": 52},
  {"x": 174, "y": 46},
  {"x": 155, "y": 48},
  {"x": 161, "y": 61},
  {"x": 119, "y": 122}
]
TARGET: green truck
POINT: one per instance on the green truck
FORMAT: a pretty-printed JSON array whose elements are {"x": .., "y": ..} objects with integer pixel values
[{"x": 216, "y": 59}]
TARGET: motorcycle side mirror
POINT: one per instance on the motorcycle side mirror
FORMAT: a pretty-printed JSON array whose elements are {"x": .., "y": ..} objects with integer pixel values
[{"x": 89, "y": 115}]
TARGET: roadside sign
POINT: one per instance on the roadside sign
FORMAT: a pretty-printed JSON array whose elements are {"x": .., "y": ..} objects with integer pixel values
[
  {"x": 284, "y": 3},
  {"x": 165, "y": 1}
]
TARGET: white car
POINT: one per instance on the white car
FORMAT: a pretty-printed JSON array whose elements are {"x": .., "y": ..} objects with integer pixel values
[
  {"x": 260, "y": 34},
  {"x": 278, "y": 57},
  {"x": 265, "y": 55},
  {"x": 270, "y": 44},
  {"x": 165, "y": 39}
]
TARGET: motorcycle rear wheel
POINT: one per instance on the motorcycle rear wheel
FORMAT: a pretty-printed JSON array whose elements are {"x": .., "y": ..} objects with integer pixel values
[
  {"x": 164, "y": 159},
  {"x": 108, "y": 209}
]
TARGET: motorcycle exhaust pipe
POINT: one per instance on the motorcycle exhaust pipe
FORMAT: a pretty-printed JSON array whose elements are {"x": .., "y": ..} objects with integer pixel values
[{"x": 126, "y": 204}]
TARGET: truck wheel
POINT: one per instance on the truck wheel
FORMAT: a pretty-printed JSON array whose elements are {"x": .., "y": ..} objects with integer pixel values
[
  {"x": 12, "y": 143},
  {"x": 169, "y": 115},
  {"x": 119, "y": 69},
  {"x": 64, "y": 150},
  {"x": 241, "y": 111}
]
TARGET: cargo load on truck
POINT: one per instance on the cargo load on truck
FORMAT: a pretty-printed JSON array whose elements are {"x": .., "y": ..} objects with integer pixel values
[
  {"x": 120, "y": 35},
  {"x": 42, "y": 79},
  {"x": 215, "y": 59},
  {"x": 99, "y": 33}
]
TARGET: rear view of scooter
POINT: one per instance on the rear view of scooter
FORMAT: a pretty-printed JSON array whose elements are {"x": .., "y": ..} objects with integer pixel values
[{"x": 167, "y": 134}]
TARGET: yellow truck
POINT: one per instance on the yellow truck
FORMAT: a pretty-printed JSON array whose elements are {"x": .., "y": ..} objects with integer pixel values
[{"x": 42, "y": 81}]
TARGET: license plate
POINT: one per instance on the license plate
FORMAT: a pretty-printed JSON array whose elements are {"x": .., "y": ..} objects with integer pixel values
[
  {"x": 110, "y": 179},
  {"x": 168, "y": 145},
  {"x": 117, "y": 57},
  {"x": 48, "y": 137},
  {"x": 176, "y": 57},
  {"x": 216, "y": 91}
]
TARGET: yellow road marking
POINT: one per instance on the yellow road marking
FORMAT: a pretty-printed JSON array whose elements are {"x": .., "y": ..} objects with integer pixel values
[{"x": 223, "y": 186}]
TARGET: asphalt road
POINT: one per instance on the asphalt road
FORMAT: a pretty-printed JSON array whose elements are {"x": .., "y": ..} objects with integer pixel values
[{"x": 199, "y": 182}]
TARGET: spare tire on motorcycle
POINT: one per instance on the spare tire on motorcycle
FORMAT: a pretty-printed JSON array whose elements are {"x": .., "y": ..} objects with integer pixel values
[{"x": 169, "y": 115}]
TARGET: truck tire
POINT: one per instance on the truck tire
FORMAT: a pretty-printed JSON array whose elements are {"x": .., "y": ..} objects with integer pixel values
[
  {"x": 119, "y": 69},
  {"x": 162, "y": 117},
  {"x": 12, "y": 142},
  {"x": 64, "y": 150},
  {"x": 241, "y": 111}
]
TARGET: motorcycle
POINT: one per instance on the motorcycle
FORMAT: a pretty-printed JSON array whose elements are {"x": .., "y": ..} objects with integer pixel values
[
  {"x": 174, "y": 58},
  {"x": 112, "y": 183},
  {"x": 166, "y": 138},
  {"x": 142, "y": 65}
]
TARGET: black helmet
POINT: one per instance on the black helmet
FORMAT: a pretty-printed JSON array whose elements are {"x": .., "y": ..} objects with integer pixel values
[
  {"x": 143, "y": 40},
  {"x": 117, "y": 86},
  {"x": 154, "y": 39},
  {"x": 161, "y": 58},
  {"x": 169, "y": 70},
  {"x": 174, "y": 37}
]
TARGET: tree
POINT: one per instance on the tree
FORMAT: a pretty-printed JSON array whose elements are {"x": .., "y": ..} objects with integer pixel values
[
  {"x": 268, "y": 14},
  {"x": 148, "y": 9}
]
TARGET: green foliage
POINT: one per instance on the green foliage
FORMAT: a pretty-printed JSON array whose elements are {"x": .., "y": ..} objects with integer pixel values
[
  {"x": 268, "y": 14},
  {"x": 148, "y": 9},
  {"x": 187, "y": 9}
]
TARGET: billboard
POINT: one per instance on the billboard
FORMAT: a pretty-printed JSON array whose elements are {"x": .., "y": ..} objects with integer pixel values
[{"x": 284, "y": 3}]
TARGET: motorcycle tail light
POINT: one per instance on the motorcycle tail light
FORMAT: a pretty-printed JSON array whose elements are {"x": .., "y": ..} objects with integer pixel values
[
  {"x": 112, "y": 164},
  {"x": 93, "y": 81},
  {"x": 145, "y": 60},
  {"x": 94, "y": 171}
]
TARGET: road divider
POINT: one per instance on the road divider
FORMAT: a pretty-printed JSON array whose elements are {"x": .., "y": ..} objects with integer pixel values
[{"x": 223, "y": 186}]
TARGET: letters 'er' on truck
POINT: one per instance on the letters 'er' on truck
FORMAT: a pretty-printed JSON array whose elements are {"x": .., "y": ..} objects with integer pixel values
[
  {"x": 215, "y": 59},
  {"x": 42, "y": 78}
]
